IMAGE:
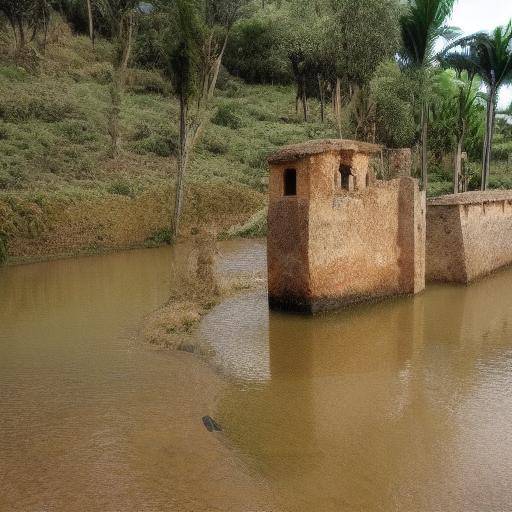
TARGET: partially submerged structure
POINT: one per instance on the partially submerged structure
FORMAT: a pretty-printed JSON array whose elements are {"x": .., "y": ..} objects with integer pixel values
[
  {"x": 468, "y": 235},
  {"x": 336, "y": 235}
]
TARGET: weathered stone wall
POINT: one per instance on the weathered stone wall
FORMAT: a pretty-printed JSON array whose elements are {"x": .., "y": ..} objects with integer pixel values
[
  {"x": 367, "y": 244},
  {"x": 328, "y": 246},
  {"x": 287, "y": 239},
  {"x": 468, "y": 235}
]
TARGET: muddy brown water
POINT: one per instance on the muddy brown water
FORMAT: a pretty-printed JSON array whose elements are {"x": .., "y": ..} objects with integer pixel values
[{"x": 404, "y": 405}]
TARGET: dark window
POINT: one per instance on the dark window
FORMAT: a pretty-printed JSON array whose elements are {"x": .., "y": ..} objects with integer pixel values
[
  {"x": 367, "y": 181},
  {"x": 345, "y": 174},
  {"x": 290, "y": 182}
]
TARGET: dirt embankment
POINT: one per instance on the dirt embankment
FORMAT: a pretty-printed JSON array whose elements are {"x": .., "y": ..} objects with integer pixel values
[{"x": 38, "y": 226}]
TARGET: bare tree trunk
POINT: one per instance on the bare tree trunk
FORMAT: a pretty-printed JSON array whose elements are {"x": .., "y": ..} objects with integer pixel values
[
  {"x": 118, "y": 81},
  {"x": 458, "y": 166},
  {"x": 489, "y": 125},
  {"x": 182, "y": 166},
  {"x": 337, "y": 110},
  {"x": 321, "y": 92},
  {"x": 91, "y": 24},
  {"x": 424, "y": 145},
  {"x": 15, "y": 32},
  {"x": 21, "y": 37},
  {"x": 216, "y": 69},
  {"x": 190, "y": 132},
  {"x": 115, "y": 113},
  {"x": 304, "y": 99},
  {"x": 127, "y": 46}
]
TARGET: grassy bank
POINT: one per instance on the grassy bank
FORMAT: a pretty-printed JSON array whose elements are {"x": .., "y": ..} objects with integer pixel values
[{"x": 60, "y": 193}]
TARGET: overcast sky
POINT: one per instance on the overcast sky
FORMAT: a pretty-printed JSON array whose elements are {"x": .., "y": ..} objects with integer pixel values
[{"x": 474, "y": 15}]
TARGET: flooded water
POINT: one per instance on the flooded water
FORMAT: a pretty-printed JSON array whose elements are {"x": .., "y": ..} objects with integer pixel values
[
  {"x": 405, "y": 405},
  {"x": 90, "y": 418}
]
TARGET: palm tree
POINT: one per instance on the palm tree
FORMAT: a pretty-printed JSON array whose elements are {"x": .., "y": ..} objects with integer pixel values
[
  {"x": 463, "y": 104},
  {"x": 490, "y": 56},
  {"x": 421, "y": 26}
]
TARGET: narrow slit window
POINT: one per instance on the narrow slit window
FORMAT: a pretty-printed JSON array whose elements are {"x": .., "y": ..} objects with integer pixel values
[
  {"x": 290, "y": 182},
  {"x": 345, "y": 176}
]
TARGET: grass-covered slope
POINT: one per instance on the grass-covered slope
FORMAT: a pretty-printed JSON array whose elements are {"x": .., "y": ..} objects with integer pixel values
[{"x": 61, "y": 194}]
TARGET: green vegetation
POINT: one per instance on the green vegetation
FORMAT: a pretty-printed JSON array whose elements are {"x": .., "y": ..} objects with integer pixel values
[{"x": 113, "y": 110}]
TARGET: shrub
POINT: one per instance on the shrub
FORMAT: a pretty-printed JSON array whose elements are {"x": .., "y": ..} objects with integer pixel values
[
  {"x": 156, "y": 144},
  {"x": 504, "y": 182},
  {"x": 12, "y": 179},
  {"x": 100, "y": 72},
  {"x": 391, "y": 91},
  {"x": 121, "y": 188},
  {"x": 215, "y": 143},
  {"x": 3, "y": 248},
  {"x": 77, "y": 131},
  {"x": 13, "y": 73},
  {"x": 160, "y": 237},
  {"x": 255, "y": 227},
  {"x": 255, "y": 51},
  {"x": 161, "y": 140},
  {"x": 4, "y": 134},
  {"x": 141, "y": 81},
  {"x": 229, "y": 115},
  {"x": 501, "y": 151},
  {"x": 439, "y": 188},
  {"x": 24, "y": 107}
]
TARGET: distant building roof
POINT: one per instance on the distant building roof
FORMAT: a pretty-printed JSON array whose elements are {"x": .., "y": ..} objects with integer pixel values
[{"x": 314, "y": 147}]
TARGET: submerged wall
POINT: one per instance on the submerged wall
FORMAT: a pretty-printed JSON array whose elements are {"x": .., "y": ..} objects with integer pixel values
[
  {"x": 329, "y": 247},
  {"x": 468, "y": 235}
]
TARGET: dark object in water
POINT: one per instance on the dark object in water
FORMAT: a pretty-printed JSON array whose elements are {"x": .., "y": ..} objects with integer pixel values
[{"x": 211, "y": 425}]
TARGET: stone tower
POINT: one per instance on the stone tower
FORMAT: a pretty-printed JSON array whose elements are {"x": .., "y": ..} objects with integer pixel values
[{"x": 336, "y": 235}]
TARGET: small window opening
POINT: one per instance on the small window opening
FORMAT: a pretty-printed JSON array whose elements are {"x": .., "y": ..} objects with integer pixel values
[
  {"x": 346, "y": 177},
  {"x": 290, "y": 182},
  {"x": 367, "y": 181}
]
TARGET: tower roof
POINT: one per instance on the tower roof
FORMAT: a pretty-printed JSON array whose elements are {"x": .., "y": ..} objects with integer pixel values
[{"x": 295, "y": 152}]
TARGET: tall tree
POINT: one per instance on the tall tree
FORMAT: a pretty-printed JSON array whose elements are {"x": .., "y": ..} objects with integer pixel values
[
  {"x": 90, "y": 20},
  {"x": 421, "y": 26},
  {"x": 362, "y": 34},
  {"x": 489, "y": 55},
  {"x": 120, "y": 16},
  {"x": 195, "y": 57}
]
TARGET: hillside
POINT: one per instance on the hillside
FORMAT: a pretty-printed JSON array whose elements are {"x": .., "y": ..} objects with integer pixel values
[{"x": 60, "y": 193}]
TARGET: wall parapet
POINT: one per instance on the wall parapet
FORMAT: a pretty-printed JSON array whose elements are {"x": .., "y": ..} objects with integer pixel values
[{"x": 469, "y": 235}]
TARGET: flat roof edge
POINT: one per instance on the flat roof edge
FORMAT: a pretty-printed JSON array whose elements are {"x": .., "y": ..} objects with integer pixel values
[
  {"x": 474, "y": 197},
  {"x": 294, "y": 152}
]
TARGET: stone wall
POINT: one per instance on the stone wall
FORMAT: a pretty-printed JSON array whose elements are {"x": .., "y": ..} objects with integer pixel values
[
  {"x": 367, "y": 245},
  {"x": 328, "y": 247},
  {"x": 468, "y": 235}
]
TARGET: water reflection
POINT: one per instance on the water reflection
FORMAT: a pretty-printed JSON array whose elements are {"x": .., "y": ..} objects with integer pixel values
[{"x": 401, "y": 405}]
